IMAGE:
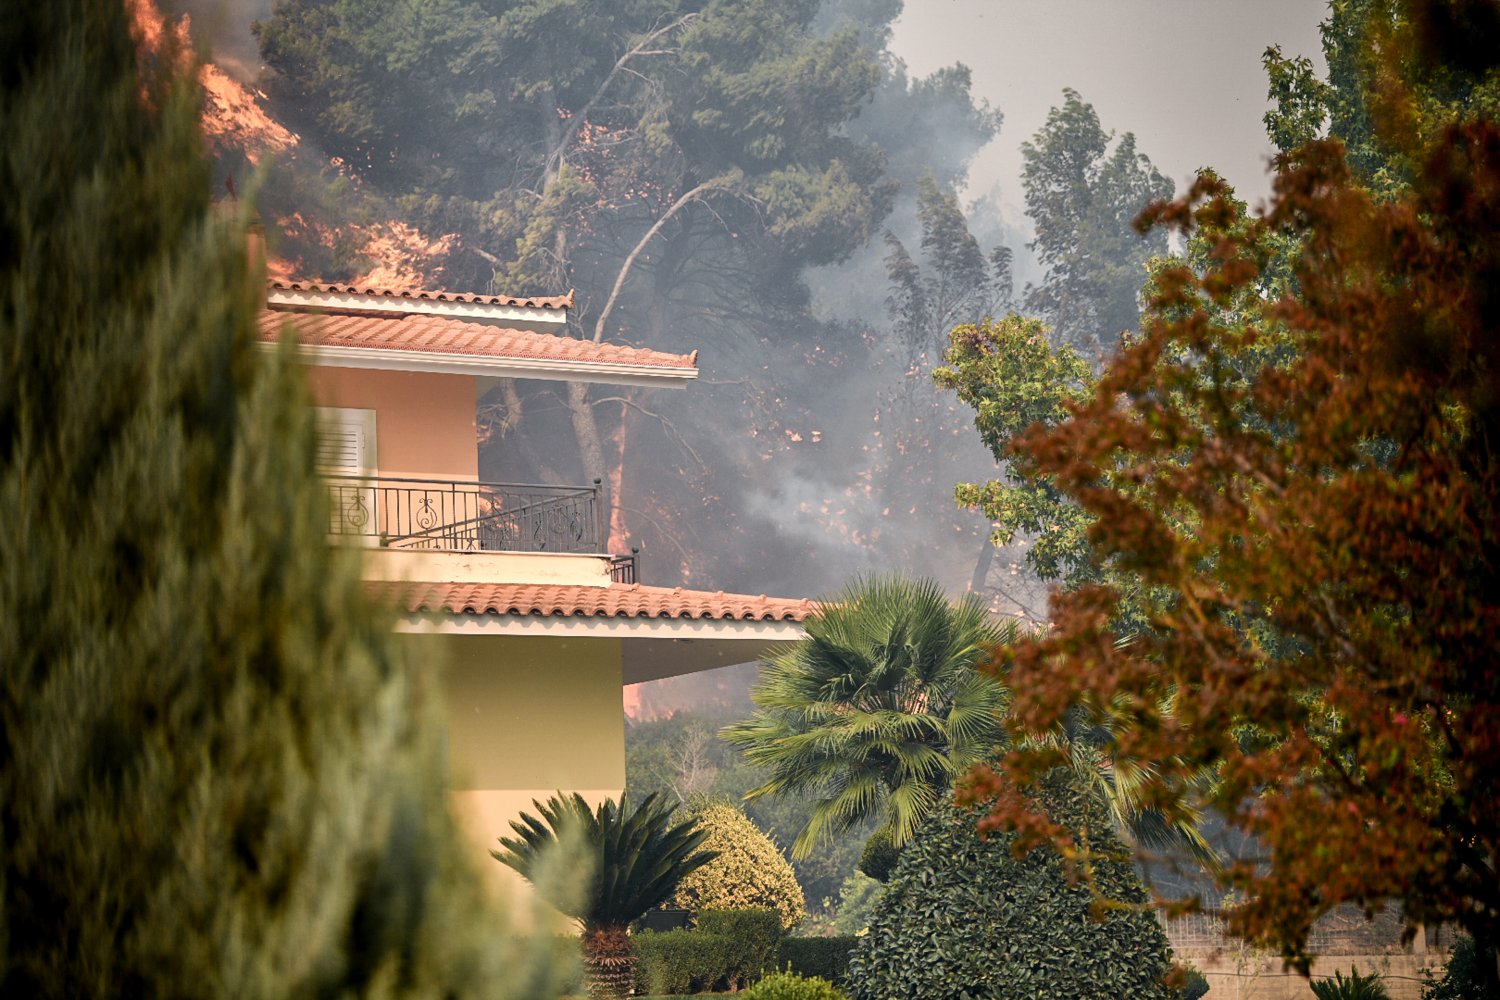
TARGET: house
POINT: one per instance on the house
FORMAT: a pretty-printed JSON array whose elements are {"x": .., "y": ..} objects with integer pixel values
[{"x": 503, "y": 588}]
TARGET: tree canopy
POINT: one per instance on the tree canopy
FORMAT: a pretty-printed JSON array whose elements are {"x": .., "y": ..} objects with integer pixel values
[
  {"x": 1306, "y": 481},
  {"x": 1082, "y": 196}
]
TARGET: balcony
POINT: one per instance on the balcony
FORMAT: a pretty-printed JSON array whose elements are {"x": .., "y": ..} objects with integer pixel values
[{"x": 430, "y": 515}]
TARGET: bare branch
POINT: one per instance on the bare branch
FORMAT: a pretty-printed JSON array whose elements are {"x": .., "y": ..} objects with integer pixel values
[
  {"x": 712, "y": 184},
  {"x": 640, "y": 48}
]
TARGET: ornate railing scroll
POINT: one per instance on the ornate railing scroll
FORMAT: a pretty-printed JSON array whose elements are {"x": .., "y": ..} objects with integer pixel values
[{"x": 465, "y": 516}]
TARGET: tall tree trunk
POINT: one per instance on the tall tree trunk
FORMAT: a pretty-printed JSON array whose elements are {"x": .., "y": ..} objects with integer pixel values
[{"x": 619, "y": 532}]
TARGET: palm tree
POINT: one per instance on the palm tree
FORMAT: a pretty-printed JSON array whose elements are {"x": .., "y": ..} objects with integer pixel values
[
  {"x": 883, "y": 706},
  {"x": 638, "y": 857},
  {"x": 879, "y": 709}
]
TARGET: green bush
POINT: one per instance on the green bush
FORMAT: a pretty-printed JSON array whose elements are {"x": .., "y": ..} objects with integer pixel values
[
  {"x": 756, "y": 934},
  {"x": 670, "y": 962},
  {"x": 1356, "y": 987},
  {"x": 1461, "y": 978},
  {"x": 824, "y": 957},
  {"x": 962, "y": 917},
  {"x": 790, "y": 986},
  {"x": 750, "y": 870},
  {"x": 1192, "y": 983}
]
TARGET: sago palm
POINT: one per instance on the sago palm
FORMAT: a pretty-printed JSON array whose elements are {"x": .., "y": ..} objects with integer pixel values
[
  {"x": 879, "y": 709},
  {"x": 638, "y": 857}
]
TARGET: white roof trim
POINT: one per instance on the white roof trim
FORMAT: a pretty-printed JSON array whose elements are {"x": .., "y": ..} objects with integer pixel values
[
  {"x": 392, "y": 359},
  {"x": 600, "y": 626}
]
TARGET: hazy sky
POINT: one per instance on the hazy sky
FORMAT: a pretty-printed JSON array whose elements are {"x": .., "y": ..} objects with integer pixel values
[{"x": 1183, "y": 75}]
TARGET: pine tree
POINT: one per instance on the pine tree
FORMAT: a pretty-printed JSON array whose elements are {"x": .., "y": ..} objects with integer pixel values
[{"x": 216, "y": 775}]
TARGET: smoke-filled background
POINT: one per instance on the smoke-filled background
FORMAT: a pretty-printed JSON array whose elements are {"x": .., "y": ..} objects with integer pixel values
[{"x": 811, "y": 194}]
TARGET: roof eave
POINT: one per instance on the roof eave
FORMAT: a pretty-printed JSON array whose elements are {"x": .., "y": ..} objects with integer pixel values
[{"x": 604, "y": 373}]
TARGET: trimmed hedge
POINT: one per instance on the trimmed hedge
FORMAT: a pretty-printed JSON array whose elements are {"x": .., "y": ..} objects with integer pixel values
[
  {"x": 727, "y": 950},
  {"x": 673, "y": 962},
  {"x": 823, "y": 957},
  {"x": 756, "y": 932},
  {"x": 961, "y": 917}
]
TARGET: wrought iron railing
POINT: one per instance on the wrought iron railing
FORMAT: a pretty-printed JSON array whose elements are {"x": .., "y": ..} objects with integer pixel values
[
  {"x": 625, "y": 569},
  {"x": 465, "y": 516}
]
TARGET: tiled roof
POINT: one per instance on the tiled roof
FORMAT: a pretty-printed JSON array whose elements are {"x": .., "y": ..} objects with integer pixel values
[
  {"x": 444, "y": 335},
  {"x": 535, "y": 302},
  {"x": 615, "y": 601}
]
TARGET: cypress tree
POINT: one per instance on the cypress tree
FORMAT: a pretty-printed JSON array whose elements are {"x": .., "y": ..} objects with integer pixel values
[{"x": 217, "y": 777}]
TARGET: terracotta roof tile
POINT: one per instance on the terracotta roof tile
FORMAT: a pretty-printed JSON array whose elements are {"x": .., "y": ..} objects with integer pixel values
[
  {"x": 615, "y": 601},
  {"x": 426, "y": 334},
  {"x": 533, "y": 302}
]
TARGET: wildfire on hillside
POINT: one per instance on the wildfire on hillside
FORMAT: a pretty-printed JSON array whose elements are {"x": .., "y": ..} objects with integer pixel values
[{"x": 241, "y": 136}]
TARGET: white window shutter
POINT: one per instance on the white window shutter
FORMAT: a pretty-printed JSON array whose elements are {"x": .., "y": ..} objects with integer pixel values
[{"x": 346, "y": 441}]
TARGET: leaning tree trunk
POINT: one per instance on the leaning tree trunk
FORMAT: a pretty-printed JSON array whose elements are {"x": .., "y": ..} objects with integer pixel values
[{"x": 608, "y": 962}]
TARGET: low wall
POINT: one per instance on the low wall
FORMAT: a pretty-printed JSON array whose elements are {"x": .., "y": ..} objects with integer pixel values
[{"x": 1259, "y": 977}]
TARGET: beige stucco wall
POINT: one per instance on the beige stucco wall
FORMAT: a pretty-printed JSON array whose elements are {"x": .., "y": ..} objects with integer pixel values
[
  {"x": 424, "y": 423},
  {"x": 1263, "y": 977},
  {"x": 427, "y": 566},
  {"x": 526, "y": 716}
]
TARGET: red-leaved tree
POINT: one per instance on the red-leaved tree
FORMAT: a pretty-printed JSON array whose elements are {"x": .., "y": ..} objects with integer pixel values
[{"x": 1307, "y": 488}]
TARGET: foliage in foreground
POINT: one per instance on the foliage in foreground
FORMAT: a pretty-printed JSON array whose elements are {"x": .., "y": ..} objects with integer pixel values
[
  {"x": 1310, "y": 485},
  {"x": 962, "y": 917},
  {"x": 216, "y": 776},
  {"x": 790, "y": 986},
  {"x": 636, "y": 858},
  {"x": 749, "y": 870}
]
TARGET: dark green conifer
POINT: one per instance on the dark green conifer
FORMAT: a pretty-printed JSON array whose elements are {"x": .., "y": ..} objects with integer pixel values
[{"x": 216, "y": 776}]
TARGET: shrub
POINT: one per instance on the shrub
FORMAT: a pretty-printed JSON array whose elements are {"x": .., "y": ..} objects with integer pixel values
[
  {"x": 1461, "y": 979},
  {"x": 824, "y": 957},
  {"x": 790, "y": 986},
  {"x": 756, "y": 934},
  {"x": 1192, "y": 984},
  {"x": 961, "y": 916},
  {"x": 672, "y": 962},
  {"x": 1356, "y": 987},
  {"x": 750, "y": 870}
]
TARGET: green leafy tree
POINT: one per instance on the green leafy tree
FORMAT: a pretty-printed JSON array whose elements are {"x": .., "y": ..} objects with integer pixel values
[
  {"x": 1317, "y": 523},
  {"x": 1448, "y": 75},
  {"x": 216, "y": 775},
  {"x": 749, "y": 871},
  {"x": 1010, "y": 375},
  {"x": 1082, "y": 196},
  {"x": 878, "y": 710},
  {"x": 637, "y": 857},
  {"x": 963, "y": 916},
  {"x": 960, "y": 280}
]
